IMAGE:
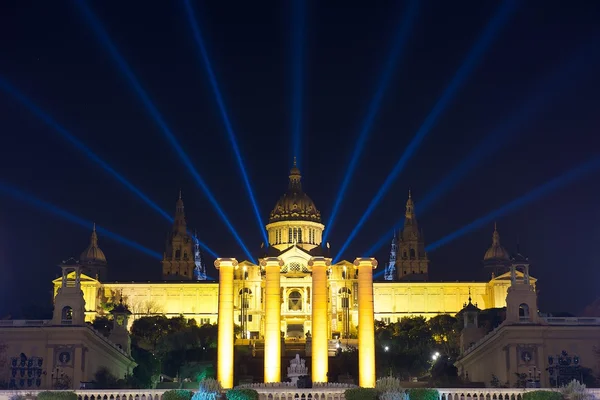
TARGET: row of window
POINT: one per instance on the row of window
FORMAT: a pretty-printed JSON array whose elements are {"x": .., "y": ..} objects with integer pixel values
[{"x": 295, "y": 235}]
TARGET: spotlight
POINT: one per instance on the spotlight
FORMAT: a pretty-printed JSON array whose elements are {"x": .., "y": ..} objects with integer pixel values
[
  {"x": 399, "y": 42},
  {"x": 80, "y": 146},
  {"x": 105, "y": 40},
  {"x": 459, "y": 78},
  {"x": 556, "y": 183},
  {"x": 298, "y": 25},
  {"x": 51, "y": 208},
  {"x": 550, "y": 87},
  {"x": 226, "y": 120}
]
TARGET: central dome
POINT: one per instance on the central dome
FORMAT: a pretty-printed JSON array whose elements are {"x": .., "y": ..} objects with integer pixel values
[{"x": 295, "y": 205}]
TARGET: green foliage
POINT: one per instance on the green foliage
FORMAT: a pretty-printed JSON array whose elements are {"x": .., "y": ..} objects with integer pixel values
[
  {"x": 242, "y": 394},
  {"x": 393, "y": 396},
  {"x": 177, "y": 395},
  {"x": 58, "y": 395},
  {"x": 147, "y": 372},
  {"x": 444, "y": 330},
  {"x": 423, "y": 394},
  {"x": 361, "y": 394},
  {"x": 388, "y": 384},
  {"x": 409, "y": 344},
  {"x": 575, "y": 391},
  {"x": 103, "y": 325},
  {"x": 104, "y": 379},
  {"x": 542, "y": 395}
]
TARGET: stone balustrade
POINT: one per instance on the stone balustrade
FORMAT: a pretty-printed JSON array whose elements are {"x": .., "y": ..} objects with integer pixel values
[{"x": 283, "y": 391}]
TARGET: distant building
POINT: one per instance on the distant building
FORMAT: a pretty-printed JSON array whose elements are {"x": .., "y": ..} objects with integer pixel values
[
  {"x": 65, "y": 351},
  {"x": 539, "y": 351}
]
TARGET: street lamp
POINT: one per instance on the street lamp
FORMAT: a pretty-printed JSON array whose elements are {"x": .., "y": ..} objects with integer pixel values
[{"x": 435, "y": 356}]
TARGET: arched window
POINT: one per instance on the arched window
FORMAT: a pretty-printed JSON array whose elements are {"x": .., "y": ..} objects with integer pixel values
[
  {"x": 404, "y": 254},
  {"x": 524, "y": 312},
  {"x": 290, "y": 236},
  {"x": 67, "y": 315},
  {"x": 177, "y": 254},
  {"x": 295, "y": 301},
  {"x": 245, "y": 294},
  {"x": 412, "y": 253}
]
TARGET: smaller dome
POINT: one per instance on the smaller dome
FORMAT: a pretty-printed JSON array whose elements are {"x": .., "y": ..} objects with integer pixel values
[
  {"x": 93, "y": 254},
  {"x": 496, "y": 253}
]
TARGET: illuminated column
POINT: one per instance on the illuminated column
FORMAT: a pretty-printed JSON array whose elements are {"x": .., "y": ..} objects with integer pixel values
[
  {"x": 319, "y": 323},
  {"x": 272, "y": 266},
  {"x": 366, "y": 322},
  {"x": 225, "y": 335}
]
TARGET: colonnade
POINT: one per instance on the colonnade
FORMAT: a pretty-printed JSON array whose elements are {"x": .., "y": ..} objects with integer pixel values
[{"x": 320, "y": 322}]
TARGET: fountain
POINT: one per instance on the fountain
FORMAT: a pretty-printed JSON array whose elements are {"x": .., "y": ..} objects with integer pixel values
[{"x": 296, "y": 369}]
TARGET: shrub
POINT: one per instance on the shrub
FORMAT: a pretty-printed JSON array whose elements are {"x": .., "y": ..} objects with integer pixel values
[
  {"x": 542, "y": 395},
  {"x": 177, "y": 394},
  {"x": 388, "y": 384},
  {"x": 575, "y": 391},
  {"x": 361, "y": 394},
  {"x": 242, "y": 394},
  {"x": 48, "y": 395},
  {"x": 423, "y": 394}
]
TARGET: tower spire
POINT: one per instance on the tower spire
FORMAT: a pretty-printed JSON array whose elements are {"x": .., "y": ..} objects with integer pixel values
[
  {"x": 295, "y": 176},
  {"x": 179, "y": 224},
  {"x": 390, "y": 270},
  {"x": 94, "y": 237}
]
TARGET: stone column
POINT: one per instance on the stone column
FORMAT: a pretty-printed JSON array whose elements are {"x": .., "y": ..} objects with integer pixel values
[
  {"x": 272, "y": 265},
  {"x": 225, "y": 321},
  {"x": 319, "y": 323},
  {"x": 366, "y": 322}
]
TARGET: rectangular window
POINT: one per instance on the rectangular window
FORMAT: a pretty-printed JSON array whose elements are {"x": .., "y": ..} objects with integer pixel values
[
  {"x": 290, "y": 236},
  {"x": 204, "y": 321}
]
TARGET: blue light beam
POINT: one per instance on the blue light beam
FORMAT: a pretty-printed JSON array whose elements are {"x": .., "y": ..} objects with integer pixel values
[
  {"x": 51, "y": 208},
  {"x": 105, "y": 40},
  {"x": 298, "y": 26},
  {"x": 545, "y": 189},
  {"x": 489, "y": 34},
  {"x": 79, "y": 145},
  {"x": 553, "y": 84},
  {"x": 399, "y": 43},
  {"x": 228, "y": 127}
]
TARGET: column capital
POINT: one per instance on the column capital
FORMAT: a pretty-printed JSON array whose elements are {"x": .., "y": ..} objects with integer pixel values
[
  {"x": 319, "y": 261},
  {"x": 365, "y": 262},
  {"x": 225, "y": 262},
  {"x": 271, "y": 262}
]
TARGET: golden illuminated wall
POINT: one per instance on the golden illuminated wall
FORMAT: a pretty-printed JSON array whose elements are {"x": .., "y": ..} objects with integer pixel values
[{"x": 400, "y": 299}]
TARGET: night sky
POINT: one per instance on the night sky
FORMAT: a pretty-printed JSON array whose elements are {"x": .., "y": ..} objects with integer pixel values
[{"x": 49, "y": 51}]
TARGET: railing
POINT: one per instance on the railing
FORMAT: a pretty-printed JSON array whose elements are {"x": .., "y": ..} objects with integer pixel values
[
  {"x": 25, "y": 322},
  {"x": 329, "y": 391},
  {"x": 571, "y": 321}
]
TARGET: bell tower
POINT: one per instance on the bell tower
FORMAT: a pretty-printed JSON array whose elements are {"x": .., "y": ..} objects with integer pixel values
[
  {"x": 521, "y": 297},
  {"x": 119, "y": 335},
  {"x": 178, "y": 258},
  {"x": 413, "y": 263},
  {"x": 69, "y": 304}
]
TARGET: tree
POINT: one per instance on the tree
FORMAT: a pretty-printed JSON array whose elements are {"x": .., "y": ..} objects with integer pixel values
[
  {"x": 103, "y": 325},
  {"x": 444, "y": 330},
  {"x": 148, "y": 331}
]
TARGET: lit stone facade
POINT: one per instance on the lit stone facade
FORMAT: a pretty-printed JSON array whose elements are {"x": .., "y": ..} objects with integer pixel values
[
  {"x": 294, "y": 290},
  {"x": 64, "y": 352},
  {"x": 525, "y": 342}
]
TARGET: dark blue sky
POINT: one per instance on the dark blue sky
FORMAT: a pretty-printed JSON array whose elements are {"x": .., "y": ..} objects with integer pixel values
[{"x": 50, "y": 53}]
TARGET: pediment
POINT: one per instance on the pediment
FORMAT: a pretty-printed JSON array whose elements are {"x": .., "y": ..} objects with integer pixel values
[
  {"x": 295, "y": 253},
  {"x": 71, "y": 276},
  {"x": 345, "y": 263},
  {"x": 519, "y": 275}
]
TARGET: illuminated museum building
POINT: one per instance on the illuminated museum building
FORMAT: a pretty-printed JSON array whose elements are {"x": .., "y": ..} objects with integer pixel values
[{"x": 295, "y": 232}]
